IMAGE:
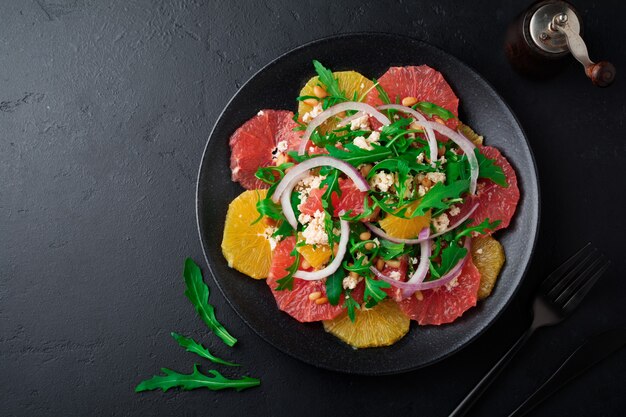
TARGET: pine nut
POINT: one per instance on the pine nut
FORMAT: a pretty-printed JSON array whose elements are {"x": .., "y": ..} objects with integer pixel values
[
  {"x": 365, "y": 169},
  {"x": 370, "y": 245},
  {"x": 305, "y": 264},
  {"x": 321, "y": 301},
  {"x": 311, "y": 102},
  {"x": 409, "y": 101},
  {"x": 319, "y": 92},
  {"x": 365, "y": 236},
  {"x": 419, "y": 295},
  {"x": 335, "y": 249},
  {"x": 393, "y": 263},
  {"x": 440, "y": 121},
  {"x": 315, "y": 295},
  {"x": 380, "y": 264},
  {"x": 354, "y": 275},
  {"x": 416, "y": 126}
]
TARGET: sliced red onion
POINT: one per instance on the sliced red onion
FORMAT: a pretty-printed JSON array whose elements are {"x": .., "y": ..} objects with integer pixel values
[
  {"x": 285, "y": 200},
  {"x": 411, "y": 288},
  {"x": 423, "y": 266},
  {"x": 430, "y": 135},
  {"x": 334, "y": 110},
  {"x": 318, "y": 161},
  {"x": 465, "y": 144},
  {"x": 334, "y": 265},
  {"x": 381, "y": 233}
]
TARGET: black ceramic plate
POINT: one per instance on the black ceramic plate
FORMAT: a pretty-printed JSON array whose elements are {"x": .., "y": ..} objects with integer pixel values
[{"x": 275, "y": 87}]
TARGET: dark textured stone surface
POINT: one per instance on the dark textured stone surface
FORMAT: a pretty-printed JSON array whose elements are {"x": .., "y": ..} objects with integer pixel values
[{"x": 104, "y": 112}]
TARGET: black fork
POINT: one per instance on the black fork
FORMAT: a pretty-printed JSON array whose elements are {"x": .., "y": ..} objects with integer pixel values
[{"x": 558, "y": 296}]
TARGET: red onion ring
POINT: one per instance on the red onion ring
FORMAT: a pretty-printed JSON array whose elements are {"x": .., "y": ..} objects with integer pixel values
[
  {"x": 285, "y": 200},
  {"x": 430, "y": 135},
  {"x": 334, "y": 265},
  {"x": 411, "y": 288},
  {"x": 381, "y": 233},
  {"x": 423, "y": 266},
  {"x": 348, "y": 119},
  {"x": 334, "y": 110}
]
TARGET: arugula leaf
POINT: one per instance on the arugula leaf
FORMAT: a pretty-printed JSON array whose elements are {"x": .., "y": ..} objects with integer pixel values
[
  {"x": 327, "y": 78},
  {"x": 284, "y": 229},
  {"x": 390, "y": 250},
  {"x": 457, "y": 168},
  {"x": 430, "y": 109},
  {"x": 198, "y": 293},
  {"x": 398, "y": 127},
  {"x": 435, "y": 197},
  {"x": 267, "y": 207},
  {"x": 351, "y": 305},
  {"x": 272, "y": 174},
  {"x": 382, "y": 94},
  {"x": 334, "y": 286},
  {"x": 286, "y": 283},
  {"x": 194, "y": 347},
  {"x": 374, "y": 293},
  {"x": 195, "y": 380},
  {"x": 392, "y": 164},
  {"x": 481, "y": 228},
  {"x": 357, "y": 156},
  {"x": 331, "y": 182},
  {"x": 488, "y": 169},
  {"x": 450, "y": 256}
]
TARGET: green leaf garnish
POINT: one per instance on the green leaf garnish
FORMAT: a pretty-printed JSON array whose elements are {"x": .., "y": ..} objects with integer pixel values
[
  {"x": 436, "y": 197},
  {"x": 450, "y": 256},
  {"x": 272, "y": 174},
  {"x": 351, "y": 305},
  {"x": 267, "y": 207},
  {"x": 488, "y": 169},
  {"x": 334, "y": 286},
  {"x": 481, "y": 228},
  {"x": 357, "y": 156},
  {"x": 194, "y": 347},
  {"x": 198, "y": 293},
  {"x": 196, "y": 379},
  {"x": 430, "y": 109},
  {"x": 382, "y": 94},
  {"x": 327, "y": 78},
  {"x": 390, "y": 250},
  {"x": 374, "y": 293},
  {"x": 286, "y": 283}
]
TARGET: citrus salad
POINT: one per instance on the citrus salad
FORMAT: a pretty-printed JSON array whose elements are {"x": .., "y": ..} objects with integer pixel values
[{"x": 371, "y": 206}]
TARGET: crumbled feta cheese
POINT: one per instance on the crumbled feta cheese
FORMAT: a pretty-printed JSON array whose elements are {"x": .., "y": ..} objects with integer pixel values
[
  {"x": 315, "y": 111},
  {"x": 453, "y": 283},
  {"x": 420, "y": 158},
  {"x": 395, "y": 275},
  {"x": 273, "y": 240},
  {"x": 421, "y": 191},
  {"x": 442, "y": 160},
  {"x": 479, "y": 251},
  {"x": 373, "y": 137},
  {"x": 413, "y": 260},
  {"x": 260, "y": 113},
  {"x": 362, "y": 143},
  {"x": 350, "y": 282},
  {"x": 282, "y": 146},
  {"x": 454, "y": 210},
  {"x": 382, "y": 181},
  {"x": 315, "y": 232},
  {"x": 436, "y": 176},
  {"x": 304, "y": 218},
  {"x": 408, "y": 184},
  {"x": 308, "y": 183},
  {"x": 360, "y": 123},
  {"x": 441, "y": 223}
]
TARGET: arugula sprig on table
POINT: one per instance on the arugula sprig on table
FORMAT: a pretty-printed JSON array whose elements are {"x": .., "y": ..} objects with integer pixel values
[{"x": 198, "y": 293}]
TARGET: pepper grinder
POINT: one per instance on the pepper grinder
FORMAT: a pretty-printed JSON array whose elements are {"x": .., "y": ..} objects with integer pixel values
[{"x": 539, "y": 40}]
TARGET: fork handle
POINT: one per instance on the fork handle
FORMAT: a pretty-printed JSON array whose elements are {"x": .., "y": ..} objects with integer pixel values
[{"x": 491, "y": 376}]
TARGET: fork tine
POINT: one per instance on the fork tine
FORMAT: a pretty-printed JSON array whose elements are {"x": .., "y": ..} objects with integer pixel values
[
  {"x": 565, "y": 280},
  {"x": 579, "y": 277},
  {"x": 556, "y": 275},
  {"x": 582, "y": 292}
]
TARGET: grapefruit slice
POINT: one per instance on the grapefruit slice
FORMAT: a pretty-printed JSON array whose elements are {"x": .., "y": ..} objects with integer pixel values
[
  {"x": 382, "y": 325},
  {"x": 446, "y": 303},
  {"x": 421, "y": 82},
  {"x": 393, "y": 292},
  {"x": 296, "y": 302},
  {"x": 351, "y": 199},
  {"x": 496, "y": 202},
  {"x": 488, "y": 256},
  {"x": 255, "y": 144},
  {"x": 245, "y": 245}
]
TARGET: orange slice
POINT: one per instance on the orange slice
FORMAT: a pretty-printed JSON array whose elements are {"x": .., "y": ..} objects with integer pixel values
[
  {"x": 245, "y": 245},
  {"x": 382, "y": 325},
  {"x": 488, "y": 256},
  {"x": 401, "y": 228},
  {"x": 316, "y": 255}
]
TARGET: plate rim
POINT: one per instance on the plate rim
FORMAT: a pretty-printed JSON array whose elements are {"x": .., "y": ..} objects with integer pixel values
[{"x": 536, "y": 201}]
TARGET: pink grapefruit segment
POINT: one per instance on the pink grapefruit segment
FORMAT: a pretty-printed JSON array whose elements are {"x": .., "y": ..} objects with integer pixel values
[
  {"x": 255, "y": 144},
  {"x": 446, "y": 303},
  {"x": 351, "y": 199}
]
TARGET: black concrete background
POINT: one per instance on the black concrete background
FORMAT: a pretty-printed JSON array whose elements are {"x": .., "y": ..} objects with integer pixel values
[{"x": 105, "y": 108}]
